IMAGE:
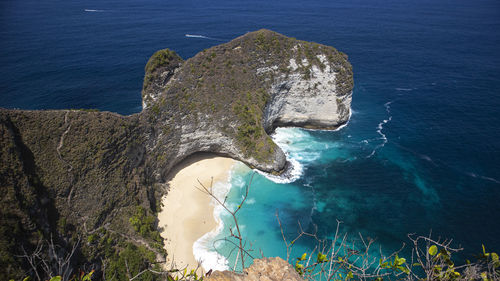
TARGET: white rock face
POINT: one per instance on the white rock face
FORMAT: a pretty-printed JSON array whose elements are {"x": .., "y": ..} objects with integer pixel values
[
  {"x": 155, "y": 91},
  {"x": 309, "y": 85},
  {"x": 307, "y": 102},
  {"x": 206, "y": 137}
]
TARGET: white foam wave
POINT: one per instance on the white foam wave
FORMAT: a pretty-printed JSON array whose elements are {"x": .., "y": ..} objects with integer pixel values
[
  {"x": 293, "y": 172},
  {"x": 404, "y": 89},
  {"x": 299, "y": 148},
  {"x": 346, "y": 123},
  {"x": 203, "y": 249},
  {"x": 380, "y": 127},
  {"x": 93, "y": 11},
  {"x": 208, "y": 258}
]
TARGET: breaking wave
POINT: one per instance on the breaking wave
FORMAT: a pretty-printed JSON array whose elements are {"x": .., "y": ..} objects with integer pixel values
[
  {"x": 300, "y": 148},
  {"x": 380, "y": 127},
  {"x": 203, "y": 248},
  {"x": 292, "y": 173}
]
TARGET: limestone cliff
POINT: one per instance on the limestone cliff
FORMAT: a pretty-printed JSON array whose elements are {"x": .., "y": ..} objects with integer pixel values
[
  {"x": 70, "y": 173},
  {"x": 226, "y": 98}
]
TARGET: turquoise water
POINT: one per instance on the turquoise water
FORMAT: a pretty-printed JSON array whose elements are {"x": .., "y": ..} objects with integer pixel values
[
  {"x": 292, "y": 197},
  {"x": 420, "y": 153},
  {"x": 374, "y": 187}
]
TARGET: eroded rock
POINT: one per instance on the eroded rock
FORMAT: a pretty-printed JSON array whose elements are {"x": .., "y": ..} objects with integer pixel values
[{"x": 266, "y": 269}]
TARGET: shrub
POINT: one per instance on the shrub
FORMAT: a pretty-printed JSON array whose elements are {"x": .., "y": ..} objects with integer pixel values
[{"x": 145, "y": 224}]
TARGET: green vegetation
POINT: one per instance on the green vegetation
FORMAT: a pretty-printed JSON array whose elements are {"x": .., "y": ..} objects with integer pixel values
[
  {"x": 77, "y": 277},
  {"x": 250, "y": 132},
  {"x": 343, "y": 258},
  {"x": 80, "y": 174},
  {"x": 60, "y": 166},
  {"x": 161, "y": 61},
  {"x": 145, "y": 225},
  {"x": 123, "y": 257},
  {"x": 429, "y": 260},
  {"x": 345, "y": 81},
  {"x": 160, "y": 58},
  {"x": 133, "y": 259},
  {"x": 226, "y": 75}
]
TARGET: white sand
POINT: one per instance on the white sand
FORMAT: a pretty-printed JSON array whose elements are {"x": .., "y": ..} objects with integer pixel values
[{"x": 187, "y": 213}]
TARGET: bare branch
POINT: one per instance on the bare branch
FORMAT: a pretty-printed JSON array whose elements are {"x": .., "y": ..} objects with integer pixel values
[{"x": 241, "y": 246}]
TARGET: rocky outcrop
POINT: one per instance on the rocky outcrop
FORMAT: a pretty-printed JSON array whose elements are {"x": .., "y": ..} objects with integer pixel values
[
  {"x": 313, "y": 103},
  {"x": 159, "y": 69},
  {"x": 228, "y": 98},
  {"x": 74, "y": 172},
  {"x": 266, "y": 269}
]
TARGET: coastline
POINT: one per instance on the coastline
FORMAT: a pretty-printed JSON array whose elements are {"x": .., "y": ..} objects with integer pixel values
[{"x": 188, "y": 209}]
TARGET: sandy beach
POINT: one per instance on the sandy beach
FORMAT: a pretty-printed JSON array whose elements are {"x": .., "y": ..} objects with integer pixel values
[{"x": 187, "y": 213}]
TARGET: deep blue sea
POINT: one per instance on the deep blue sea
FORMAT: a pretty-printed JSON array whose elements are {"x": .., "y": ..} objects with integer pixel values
[{"x": 421, "y": 151}]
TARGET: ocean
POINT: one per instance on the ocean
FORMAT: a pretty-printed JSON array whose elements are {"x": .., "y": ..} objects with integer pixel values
[{"x": 421, "y": 151}]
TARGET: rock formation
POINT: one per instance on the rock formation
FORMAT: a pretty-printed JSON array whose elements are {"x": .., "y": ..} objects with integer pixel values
[
  {"x": 226, "y": 98},
  {"x": 77, "y": 173},
  {"x": 266, "y": 269}
]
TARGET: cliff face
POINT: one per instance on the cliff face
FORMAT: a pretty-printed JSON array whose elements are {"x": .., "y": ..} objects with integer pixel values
[
  {"x": 321, "y": 101},
  {"x": 68, "y": 173},
  {"x": 227, "y": 98}
]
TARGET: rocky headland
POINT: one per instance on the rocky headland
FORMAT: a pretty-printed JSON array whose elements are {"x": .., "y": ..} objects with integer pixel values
[{"x": 97, "y": 177}]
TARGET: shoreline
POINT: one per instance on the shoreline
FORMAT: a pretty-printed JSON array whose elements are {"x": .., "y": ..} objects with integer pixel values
[{"x": 187, "y": 209}]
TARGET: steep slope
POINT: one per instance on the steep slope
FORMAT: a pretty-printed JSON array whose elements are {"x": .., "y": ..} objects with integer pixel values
[
  {"x": 226, "y": 98},
  {"x": 67, "y": 173},
  {"x": 75, "y": 174}
]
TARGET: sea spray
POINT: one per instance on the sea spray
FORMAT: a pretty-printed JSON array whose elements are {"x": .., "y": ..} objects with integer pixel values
[
  {"x": 292, "y": 173},
  {"x": 290, "y": 140},
  {"x": 301, "y": 149}
]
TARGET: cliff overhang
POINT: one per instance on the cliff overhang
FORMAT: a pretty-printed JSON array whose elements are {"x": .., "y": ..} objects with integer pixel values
[
  {"x": 71, "y": 173},
  {"x": 229, "y": 98}
]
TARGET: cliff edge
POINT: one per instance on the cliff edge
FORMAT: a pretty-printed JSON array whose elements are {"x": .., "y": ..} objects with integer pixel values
[
  {"x": 73, "y": 174},
  {"x": 227, "y": 99}
]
